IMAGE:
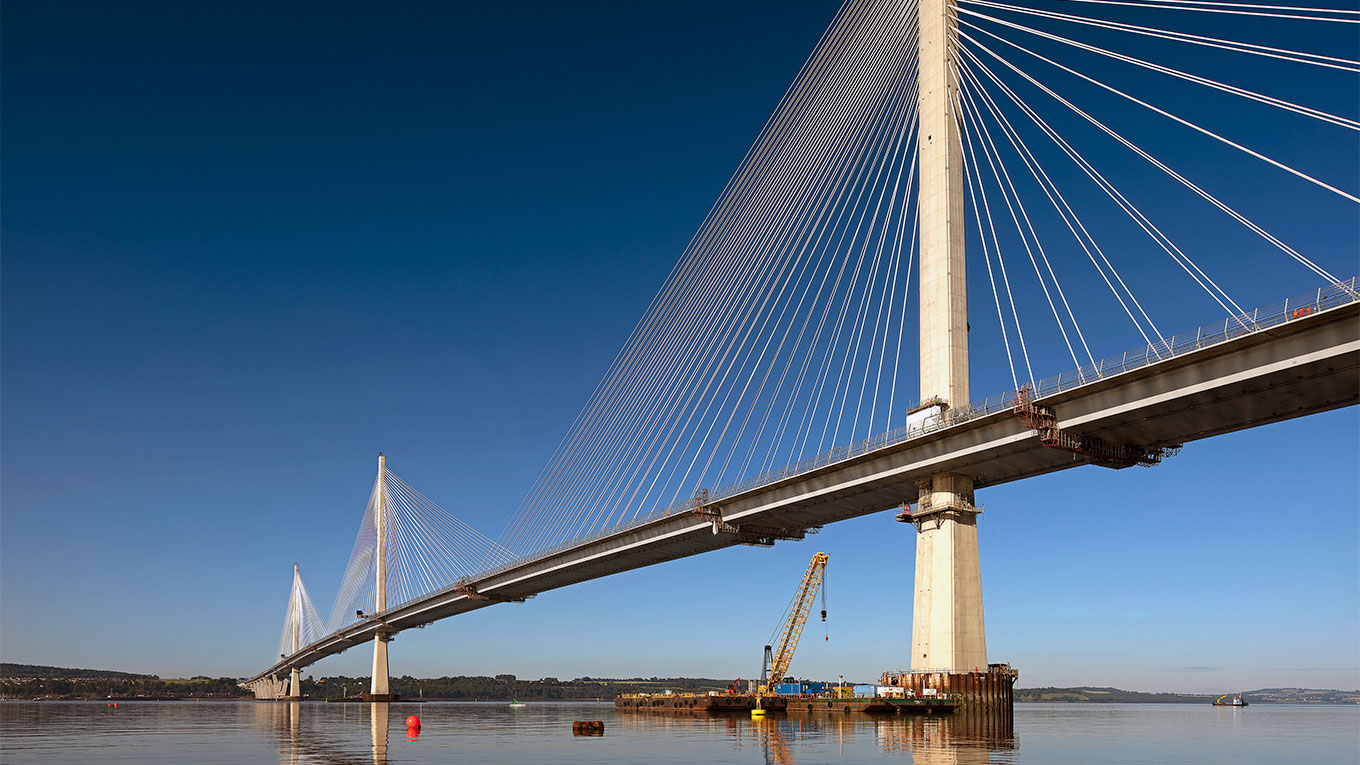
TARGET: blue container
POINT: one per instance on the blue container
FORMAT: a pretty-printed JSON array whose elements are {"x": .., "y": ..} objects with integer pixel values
[
  {"x": 865, "y": 690},
  {"x": 787, "y": 689},
  {"x": 814, "y": 687}
]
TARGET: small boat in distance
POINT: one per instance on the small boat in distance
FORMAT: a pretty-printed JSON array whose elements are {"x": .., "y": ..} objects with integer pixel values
[
  {"x": 1236, "y": 701},
  {"x": 517, "y": 703}
]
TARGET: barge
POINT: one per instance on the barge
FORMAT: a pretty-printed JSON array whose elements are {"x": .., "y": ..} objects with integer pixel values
[
  {"x": 874, "y": 705},
  {"x": 727, "y": 702},
  {"x": 694, "y": 702}
]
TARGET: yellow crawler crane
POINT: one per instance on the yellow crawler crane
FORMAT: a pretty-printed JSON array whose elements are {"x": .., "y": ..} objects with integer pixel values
[{"x": 773, "y": 669}]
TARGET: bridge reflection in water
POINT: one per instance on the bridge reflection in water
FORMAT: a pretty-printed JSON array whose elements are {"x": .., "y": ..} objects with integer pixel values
[
  {"x": 361, "y": 734},
  {"x": 305, "y": 732},
  {"x": 957, "y": 739}
]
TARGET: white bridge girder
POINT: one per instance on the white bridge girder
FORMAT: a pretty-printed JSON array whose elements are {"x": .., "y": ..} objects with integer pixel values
[{"x": 1302, "y": 367}]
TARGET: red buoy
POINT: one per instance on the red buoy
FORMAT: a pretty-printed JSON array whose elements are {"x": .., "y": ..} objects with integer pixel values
[{"x": 413, "y": 722}]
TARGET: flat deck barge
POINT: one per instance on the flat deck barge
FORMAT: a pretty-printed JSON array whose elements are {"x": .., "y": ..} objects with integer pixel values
[
  {"x": 876, "y": 705},
  {"x": 799, "y": 704},
  {"x": 694, "y": 702}
]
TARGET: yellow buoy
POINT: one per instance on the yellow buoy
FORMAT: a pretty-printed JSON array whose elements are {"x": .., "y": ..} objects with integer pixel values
[{"x": 757, "y": 713}]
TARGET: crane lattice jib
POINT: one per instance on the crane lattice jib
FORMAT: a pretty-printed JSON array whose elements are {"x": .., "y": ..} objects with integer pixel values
[{"x": 793, "y": 629}]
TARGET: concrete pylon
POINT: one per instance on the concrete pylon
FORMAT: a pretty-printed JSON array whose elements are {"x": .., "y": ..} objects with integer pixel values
[
  {"x": 295, "y": 681},
  {"x": 947, "y": 631},
  {"x": 379, "y": 686}
]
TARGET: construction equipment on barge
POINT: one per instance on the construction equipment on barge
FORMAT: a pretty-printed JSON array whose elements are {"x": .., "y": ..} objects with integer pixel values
[{"x": 775, "y": 665}]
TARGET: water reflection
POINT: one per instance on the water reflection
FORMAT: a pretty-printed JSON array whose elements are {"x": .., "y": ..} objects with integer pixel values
[
  {"x": 962, "y": 738},
  {"x": 301, "y": 742},
  {"x": 959, "y": 739},
  {"x": 338, "y": 733},
  {"x": 378, "y": 719}
]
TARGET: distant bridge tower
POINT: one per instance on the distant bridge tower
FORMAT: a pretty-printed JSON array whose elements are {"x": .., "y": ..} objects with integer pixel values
[
  {"x": 947, "y": 632},
  {"x": 295, "y": 683},
  {"x": 379, "y": 689}
]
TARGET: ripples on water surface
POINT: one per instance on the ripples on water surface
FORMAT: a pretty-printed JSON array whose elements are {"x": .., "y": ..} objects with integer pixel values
[{"x": 262, "y": 732}]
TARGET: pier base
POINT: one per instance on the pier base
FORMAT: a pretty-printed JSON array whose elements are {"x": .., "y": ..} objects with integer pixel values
[{"x": 992, "y": 690}]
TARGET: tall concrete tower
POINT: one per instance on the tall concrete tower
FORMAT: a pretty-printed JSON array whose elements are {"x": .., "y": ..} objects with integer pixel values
[
  {"x": 295, "y": 681},
  {"x": 947, "y": 632},
  {"x": 379, "y": 686}
]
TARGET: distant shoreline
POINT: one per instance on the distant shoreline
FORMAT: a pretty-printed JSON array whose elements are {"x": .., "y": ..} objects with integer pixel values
[{"x": 38, "y": 682}]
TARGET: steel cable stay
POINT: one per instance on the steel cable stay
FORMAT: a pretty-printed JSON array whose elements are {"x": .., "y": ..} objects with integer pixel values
[
  {"x": 1168, "y": 115},
  {"x": 1236, "y": 46},
  {"x": 890, "y": 290},
  {"x": 1309, "y": 9},
  {"x": 980, "y": 205},
  {"x": 1069, "y": 216},
  {"x": 766, "y": 277},
  {"x": 668, "y": 291},
  {"x": 1280, "y": 103},
  {"x": 300, "y": 619},
  {"x": 823, "y": 245},
  {"x": 716, "y": 448},
  {"x": 1169, "y": 247},
  {"x": 835, "y": 244},
  {"x": 906, "y": 290},
  {"x": 981, "y": 191},
  {"x": 783, "y": 338},
  {"x": 428, "y": 548},
  {"x": 672, "y": 449},
  {"x": 881, "y": 170},
  {"x": 1278, "y": 12},
  {"x": 890, "y": 283},
  {"x": 790, "y": 357},
  {"x": 754, "y": 369},
  {"x": 847, "y": 368},
  {"x": 1175, "y": 252},
  {"x": 766, "y": 320},
  {"x": 1047, "y": 183},
  {"x": 1009, "y": 193}
]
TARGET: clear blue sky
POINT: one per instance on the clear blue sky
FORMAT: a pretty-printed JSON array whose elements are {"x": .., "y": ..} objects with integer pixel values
[{"x": 247, "y": 247}]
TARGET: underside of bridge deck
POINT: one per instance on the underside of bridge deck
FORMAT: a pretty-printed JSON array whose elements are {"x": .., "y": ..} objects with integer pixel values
[{"x": 1294, "y": 369}]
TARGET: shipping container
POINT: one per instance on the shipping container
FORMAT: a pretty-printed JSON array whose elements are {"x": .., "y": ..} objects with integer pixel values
[
  {"x": 788, "y": 689},
  {"x": 890, "y": 691},
  {"x": 865, "y": 690},
  {"x": 814, "y": 687}
]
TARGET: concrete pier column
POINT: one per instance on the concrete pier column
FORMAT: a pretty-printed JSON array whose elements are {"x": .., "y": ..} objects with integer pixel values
[
  {"x": 379, "y": 685},
  {"x": 947, "y": 631},
  {"x": 295, "y": 679}
]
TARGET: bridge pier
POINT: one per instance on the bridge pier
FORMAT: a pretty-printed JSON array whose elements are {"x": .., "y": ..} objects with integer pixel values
[
  {"x": 947, "y": 627},
  {"x": 295, "y": 608},
  {"x": 947, "y": 631},
  {"x": 379, "y": 688}
]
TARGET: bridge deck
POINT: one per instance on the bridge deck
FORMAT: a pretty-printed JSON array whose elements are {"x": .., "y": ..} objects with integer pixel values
[{"x": 1307, "y": 364}]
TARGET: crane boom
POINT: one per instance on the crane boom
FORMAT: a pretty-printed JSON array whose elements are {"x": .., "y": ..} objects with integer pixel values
[{"x": 793, "y": 628}]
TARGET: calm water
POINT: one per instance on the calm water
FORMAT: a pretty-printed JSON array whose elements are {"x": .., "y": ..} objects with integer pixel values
[{"x": 249, "y": 732}]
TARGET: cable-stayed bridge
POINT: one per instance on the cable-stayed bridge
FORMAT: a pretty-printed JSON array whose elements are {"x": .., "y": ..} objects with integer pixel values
[{"x": 758, "y": 398}]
